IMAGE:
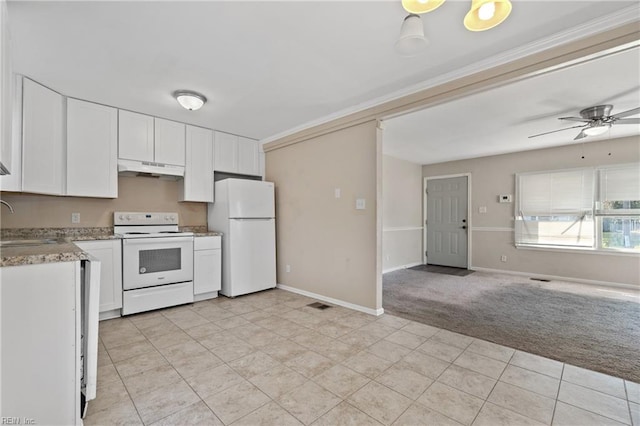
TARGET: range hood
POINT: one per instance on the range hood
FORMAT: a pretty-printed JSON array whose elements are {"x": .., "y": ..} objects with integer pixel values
[{"x": 147, "y": 168}]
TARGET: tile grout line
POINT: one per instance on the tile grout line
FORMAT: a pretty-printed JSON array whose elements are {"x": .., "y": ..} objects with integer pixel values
[{"x": 555, "y": 404}]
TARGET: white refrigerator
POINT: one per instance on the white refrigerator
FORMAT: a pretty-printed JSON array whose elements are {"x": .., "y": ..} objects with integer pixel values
[{"x": 244, "y": 211}]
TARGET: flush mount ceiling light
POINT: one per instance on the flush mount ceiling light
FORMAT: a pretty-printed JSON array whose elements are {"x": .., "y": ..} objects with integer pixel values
[
  {"x": 189, "y": 100},
  {"x": 411, "y": 40},
  {"x": 421, "y": 6},
  {"x": 486, "y": 14}
]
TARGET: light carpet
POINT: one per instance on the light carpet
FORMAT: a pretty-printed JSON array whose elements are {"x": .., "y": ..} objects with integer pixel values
[{"x": 563, "y": 321}]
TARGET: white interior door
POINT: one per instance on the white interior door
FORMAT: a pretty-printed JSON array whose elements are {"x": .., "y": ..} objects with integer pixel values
[{"x": 447, "y": 222}]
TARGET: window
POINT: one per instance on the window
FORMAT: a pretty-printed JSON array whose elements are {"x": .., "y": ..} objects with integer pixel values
[
  {"x": 582, "y": 208},
  {"x": 618, "y": 207}
]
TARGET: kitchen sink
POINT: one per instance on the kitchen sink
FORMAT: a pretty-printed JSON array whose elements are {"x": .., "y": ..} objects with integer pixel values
[{"x": 24, "y": 243}]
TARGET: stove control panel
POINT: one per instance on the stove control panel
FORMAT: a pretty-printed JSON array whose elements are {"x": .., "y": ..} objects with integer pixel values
[{"x": 142, "y": 218}]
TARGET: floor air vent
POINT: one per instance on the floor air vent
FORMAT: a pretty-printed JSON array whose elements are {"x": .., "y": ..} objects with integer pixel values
[
  {"x": 318, "y": 305},
  {"x": 540, "y": 279}
]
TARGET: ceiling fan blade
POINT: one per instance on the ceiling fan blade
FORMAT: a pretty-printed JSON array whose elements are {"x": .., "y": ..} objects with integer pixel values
[
  {"x": 585, "y": 120},
  {"x": 581, "y": 135},
  {"x": 627, "y": 113},
  {"x": 627, "y": 121},
  {"x": 553, "y": 131}
]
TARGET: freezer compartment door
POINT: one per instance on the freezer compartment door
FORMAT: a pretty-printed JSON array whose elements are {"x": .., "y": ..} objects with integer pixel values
[
  {"x": 250, "y": 199},
  {"x": 252, "y": 257}
]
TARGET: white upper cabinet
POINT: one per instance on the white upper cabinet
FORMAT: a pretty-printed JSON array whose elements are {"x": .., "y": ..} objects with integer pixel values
[
  {"x": 135, "y": 136},
  {"x": 248, "y": 156},
  {"x": 5, "y": 91},
  {"x": 43, "y": 147},
  {"x": 92, "y": 150},
  {"x": 169, "y": 142},
  {"x": 226, "y": 153},
  {"x": 198, "y": 173},
  {"x": 235, "y": 154}
]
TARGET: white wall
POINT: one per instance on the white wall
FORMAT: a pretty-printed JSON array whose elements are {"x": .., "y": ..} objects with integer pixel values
[
  {"x": 330, "y": 246},
  {"x": 492, "y": 234},
  {"x": 401, "y": 213}
]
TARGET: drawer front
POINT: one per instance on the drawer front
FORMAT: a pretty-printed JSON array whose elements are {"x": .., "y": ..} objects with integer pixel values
[{"x": 207, "y": 243}]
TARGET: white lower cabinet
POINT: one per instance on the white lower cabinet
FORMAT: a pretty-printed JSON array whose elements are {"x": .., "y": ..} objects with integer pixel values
[
  {"x": 109, "y": 252},
  {"x": 207, "y": 267},
  {"x": 40, "y": 348}
]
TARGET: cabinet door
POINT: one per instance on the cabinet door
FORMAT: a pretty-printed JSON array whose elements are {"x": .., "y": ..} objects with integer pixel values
[
  {"x": 92, "y": 150},
  {"x": 169, "y": 142},
  {"x": 198, "y": 170},
  {"x": 39, "y": 301},
  {"x": 206, "y": 271},
  {"x": 6, "y": 91},
  {"x": 109, "y": 254},
  {"x": 226, "y": 153},
  {"x": 135, "y": 136},
  {"x": 43, "y": 152},
  {"x": 248, "y": 157}
]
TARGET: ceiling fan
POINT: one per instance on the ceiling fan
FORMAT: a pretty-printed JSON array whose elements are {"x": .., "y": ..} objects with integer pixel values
[{"x": 597, "y": 121}]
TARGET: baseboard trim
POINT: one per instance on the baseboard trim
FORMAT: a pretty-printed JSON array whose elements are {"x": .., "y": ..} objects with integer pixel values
[
  {"x": 376, "y": 312},
  {"x": 397, "y": 268},
  {"x": 114, "y": 313},
  {"x": 558, "y": 278}
]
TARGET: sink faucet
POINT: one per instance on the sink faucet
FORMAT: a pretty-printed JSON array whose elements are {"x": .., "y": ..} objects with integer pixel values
[{"x": 7, "y": 204}]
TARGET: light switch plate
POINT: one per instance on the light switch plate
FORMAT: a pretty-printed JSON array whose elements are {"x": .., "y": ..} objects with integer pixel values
[
  {"x": 336, "y": 192},
  {"x": 75, "y": 217},
  {"x": 360, "y": 204}
]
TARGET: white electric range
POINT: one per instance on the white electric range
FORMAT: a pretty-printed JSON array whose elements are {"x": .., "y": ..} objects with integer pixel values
[{"x": 157, "y": 261}]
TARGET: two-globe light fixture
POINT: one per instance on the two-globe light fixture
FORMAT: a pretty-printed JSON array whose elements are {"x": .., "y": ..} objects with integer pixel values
[
  {"x": 483, "y": 15},
  {"x": 189, "y": 100}
]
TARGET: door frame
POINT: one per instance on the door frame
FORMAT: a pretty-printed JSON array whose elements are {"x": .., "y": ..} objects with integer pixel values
[{"x": 424, "y": 214}]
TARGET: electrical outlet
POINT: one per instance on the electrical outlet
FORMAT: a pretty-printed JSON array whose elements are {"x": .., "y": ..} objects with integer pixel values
[
  {"x": 337, "y": 192},
  {"x": 75, "y": 217},
  {"x": 360, "y": 204},
  {"x": 288, "y": 268},
  {"x": 482, "y": 209},
  {"x": 503, "y": 258}
]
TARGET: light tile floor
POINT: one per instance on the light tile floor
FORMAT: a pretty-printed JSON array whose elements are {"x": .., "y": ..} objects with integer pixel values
[{"x": 268, "y": 359}]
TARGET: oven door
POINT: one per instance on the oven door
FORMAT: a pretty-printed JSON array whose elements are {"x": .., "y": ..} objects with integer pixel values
[{"x": 148, "y": 262}]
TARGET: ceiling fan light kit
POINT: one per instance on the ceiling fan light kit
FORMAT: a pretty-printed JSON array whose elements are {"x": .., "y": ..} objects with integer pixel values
[
  {"x": 411, "y": 40},
  {"x": 421, "y": 6},
  {"x": 596, "y": 129},
  {"x": 189, "y": 100},
  {"x": 597, "y": 121},
  {"x": 486, "y": 14}
]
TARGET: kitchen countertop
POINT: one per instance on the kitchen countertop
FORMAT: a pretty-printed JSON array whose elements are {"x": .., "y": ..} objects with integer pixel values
[
  {"x": 63, "y": 250},
  {"x": 200, "y": 231}
]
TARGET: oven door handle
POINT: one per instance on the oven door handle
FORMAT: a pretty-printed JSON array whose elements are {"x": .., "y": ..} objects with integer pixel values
[{"x": 147, "y": 241}]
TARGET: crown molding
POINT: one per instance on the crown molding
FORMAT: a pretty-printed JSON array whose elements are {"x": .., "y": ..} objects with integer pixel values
[{"x": 609, "y": 22}]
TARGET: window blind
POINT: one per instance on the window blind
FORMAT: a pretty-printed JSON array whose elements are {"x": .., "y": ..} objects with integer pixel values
[
  {"x": 567, "y": 192},
  {"x": 620, "y": 183}
]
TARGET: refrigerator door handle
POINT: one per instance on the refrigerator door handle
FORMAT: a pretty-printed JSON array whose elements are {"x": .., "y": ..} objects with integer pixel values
[{"x": 251, "y": 218}]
